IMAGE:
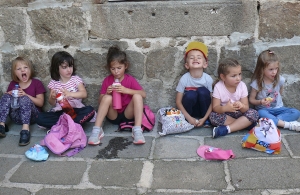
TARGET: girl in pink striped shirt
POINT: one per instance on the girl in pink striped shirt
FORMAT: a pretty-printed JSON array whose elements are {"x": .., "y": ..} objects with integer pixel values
[{"x": 65, "y": 81}]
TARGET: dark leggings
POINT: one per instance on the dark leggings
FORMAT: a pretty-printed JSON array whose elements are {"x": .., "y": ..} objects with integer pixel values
[
  {"x": 48, "y": 119},
  {"x": 197, "y": 102},
  {"x": 25, "y": 114}
]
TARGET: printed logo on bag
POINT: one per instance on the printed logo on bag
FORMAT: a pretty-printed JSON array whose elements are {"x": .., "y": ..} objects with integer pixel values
[{"x": 264, "y": 137}]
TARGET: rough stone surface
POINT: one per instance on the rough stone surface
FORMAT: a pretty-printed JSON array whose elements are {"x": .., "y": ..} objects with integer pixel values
[
  {"x": 162, "y": 18},
  {"x": 154, "y": 35},
  {"x": 58, "y": 26},
  {"x": 279, "y": 19},
  {"x": 13, "y": 34}
]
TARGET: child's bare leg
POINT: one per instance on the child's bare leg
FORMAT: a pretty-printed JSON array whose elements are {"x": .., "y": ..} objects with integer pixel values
[
  {"x": 135, "y": 109},
  {"x": 25, "y": 127},
  {"x": 239, "y": 124},
  {"x": 104, "y": 110}
]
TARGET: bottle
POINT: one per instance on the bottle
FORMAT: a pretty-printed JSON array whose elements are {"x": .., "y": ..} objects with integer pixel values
[
  {"x": 15, "y": 97},
  {"x": 65, "y": 105},
  {"x": 116, "y": 101}
]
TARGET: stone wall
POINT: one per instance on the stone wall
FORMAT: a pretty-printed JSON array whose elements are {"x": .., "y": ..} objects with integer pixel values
[{"x": 154, "y": 34}]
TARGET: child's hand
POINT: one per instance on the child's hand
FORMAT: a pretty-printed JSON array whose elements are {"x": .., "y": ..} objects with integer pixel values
[
  {"x": 66, "y": 93},
  {"x": 193, "y": 121},
  {"x": 200, "y": 122},
  {"x": 21, "y": 92},
  {"x": 109, "y": 89},
  {"x": 230, "y": 107},
  {"x": 238, "y": 105},
  {"x": 52, "y": 94},
  {"x": 120, "y": 88},
  {"x": 266, "y": 101}
]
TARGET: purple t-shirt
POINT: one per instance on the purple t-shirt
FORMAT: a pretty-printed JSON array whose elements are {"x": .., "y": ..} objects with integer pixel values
[
  {"x": 128, "y": 82},
  {"x": 35, "y": 88}
]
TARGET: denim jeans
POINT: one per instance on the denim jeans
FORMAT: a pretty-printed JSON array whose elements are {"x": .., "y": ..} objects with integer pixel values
[
  {"x": 282, "y": 113},
  {"x": 197, "y": 102}
]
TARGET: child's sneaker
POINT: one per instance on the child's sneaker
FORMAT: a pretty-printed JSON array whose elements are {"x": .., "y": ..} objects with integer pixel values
[
  {"x": 96, "y": 136},
  {"x": 220, "y": 131},
  {"x": 294, "y": 126},
  {"x": 137, "y": 135},
  {"x": 207, "y": 124}
]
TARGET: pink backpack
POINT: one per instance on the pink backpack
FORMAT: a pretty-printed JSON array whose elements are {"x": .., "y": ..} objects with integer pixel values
[
  {"x": 148, "y": 121},
  {"x": 65, "y": 134}
]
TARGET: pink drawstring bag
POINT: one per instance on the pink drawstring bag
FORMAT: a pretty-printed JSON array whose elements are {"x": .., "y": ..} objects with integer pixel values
[{"x": 212, "y": 153}]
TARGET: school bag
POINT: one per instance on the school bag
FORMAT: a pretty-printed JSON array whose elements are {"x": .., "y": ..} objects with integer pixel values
[
  {"x": 265, "y": 137},
  {"x": 173, "y": 121},
  {"x": 64, "y": 135},
  {"x": 148, "y": 121}
]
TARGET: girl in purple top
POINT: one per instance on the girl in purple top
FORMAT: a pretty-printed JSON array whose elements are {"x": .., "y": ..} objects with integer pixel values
[
  {"x": 132, "y": 98},
  {"x": 31, "y": 99}
]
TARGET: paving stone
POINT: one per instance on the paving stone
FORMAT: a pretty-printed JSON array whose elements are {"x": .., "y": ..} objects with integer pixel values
[
  {"x": 50, "y": 172},
  {"x": 265, "y": 173},
  {"x": 189, "y": 175},
  {"x": 174, "y": 147},
  {"x": 85, "y": 191},
  {"x": 6, "y": 165},
  {"x": 115, "y": 173},
  {"x": 14, "y": 191}
]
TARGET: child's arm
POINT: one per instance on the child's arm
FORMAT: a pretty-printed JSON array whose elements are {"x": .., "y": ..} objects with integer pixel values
[
  {"x": 80, "y": 94},
  {"x": 202, "y": 120},
  {"x": 216, "y": 106},
  {"x": 38, "y": 100},
  {"x": 179, "y": 105},
  {"x": 255, "y": 102},
  {"x": 122, "y": 89},
  {"x": 242, "y": 105},
  {"x": 52, "y": 97}
]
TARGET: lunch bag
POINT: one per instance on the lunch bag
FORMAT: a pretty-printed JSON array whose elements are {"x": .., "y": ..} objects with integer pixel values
[
  {"x": 173, "y": 121},
  {"x": 265, "y": 137}
]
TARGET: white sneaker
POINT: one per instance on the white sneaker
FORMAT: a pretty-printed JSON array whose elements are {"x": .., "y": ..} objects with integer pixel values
[
  {"x": 294, "y": 126},
  {"x": 96, "y": 136},
  {"x": 138, "y": 137}
]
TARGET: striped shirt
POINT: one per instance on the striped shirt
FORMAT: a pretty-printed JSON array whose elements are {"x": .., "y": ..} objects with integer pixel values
[{"x": 71, "y": 85}]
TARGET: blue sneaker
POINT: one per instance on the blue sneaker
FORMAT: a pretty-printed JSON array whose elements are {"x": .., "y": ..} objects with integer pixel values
[
  {"x": 220, "y": 131},
  {"x": 207, "y": 124}
]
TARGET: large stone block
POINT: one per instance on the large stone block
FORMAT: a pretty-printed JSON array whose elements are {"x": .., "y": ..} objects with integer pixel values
[
  {"x": 14, "y": 3},
  {"x": 65, "y": 26},
  {"x": 165, "y": 19},
  {"x": 279, "y": 20},
  {"x": 91, "y": 65},
  {"x": 160, "y": 64},
  {"x": 14, "y": 34}
]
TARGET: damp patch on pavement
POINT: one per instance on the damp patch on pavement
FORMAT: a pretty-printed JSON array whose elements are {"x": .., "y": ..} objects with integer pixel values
[{"x": 114, "y": 146}]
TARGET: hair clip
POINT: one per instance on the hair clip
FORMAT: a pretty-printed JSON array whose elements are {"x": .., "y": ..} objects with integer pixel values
[{"x": 271, "y": 52}]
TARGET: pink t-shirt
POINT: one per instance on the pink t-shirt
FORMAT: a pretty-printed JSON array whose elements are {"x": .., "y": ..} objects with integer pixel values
[
  {"x": 221, "y": 92},
  {"x": 128, "y": 82}
]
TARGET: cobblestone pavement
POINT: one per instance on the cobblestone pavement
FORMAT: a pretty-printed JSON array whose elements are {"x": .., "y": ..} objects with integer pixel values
[{"x": 164, "y": 165}]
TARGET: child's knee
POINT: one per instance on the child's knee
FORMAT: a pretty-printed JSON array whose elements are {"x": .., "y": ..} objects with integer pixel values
[
  {"x": 106, "y": 99},
  {"x": 137, "y": 97}
]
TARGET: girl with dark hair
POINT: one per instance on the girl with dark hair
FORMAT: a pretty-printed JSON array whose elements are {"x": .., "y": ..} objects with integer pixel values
[
  {"x": 132, "y": 95},
  {"x": 65, "y": 81}
]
